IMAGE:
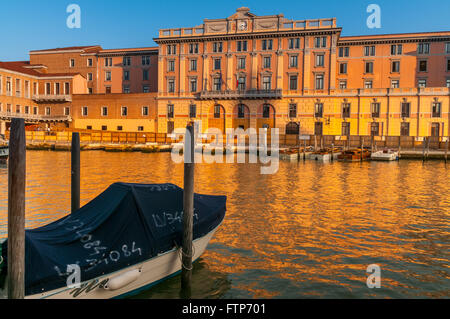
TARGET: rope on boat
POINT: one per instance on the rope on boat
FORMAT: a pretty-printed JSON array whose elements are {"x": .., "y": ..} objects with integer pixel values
[{"x": 181, "y": 254}]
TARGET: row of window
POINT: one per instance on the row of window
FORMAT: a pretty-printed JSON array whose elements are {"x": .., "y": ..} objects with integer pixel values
[
  {"x": 32, "y": 110},
  {"x": 242, "y": 45},
  {"x": 119, "y": 128},
  {"x": 396, "y": 49},
  {"x": 395, "y": 67},
  {"x": 18, "y": 86},
  {"x": 126, "y": 75},
  {"x": 123, "y": 111}
]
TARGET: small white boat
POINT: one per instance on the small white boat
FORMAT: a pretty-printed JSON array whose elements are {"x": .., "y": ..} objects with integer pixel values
[
  {"x": 325, "y": 155},
  {"x": 385, "y": 155},
  {"x": 124, "y": 241}
]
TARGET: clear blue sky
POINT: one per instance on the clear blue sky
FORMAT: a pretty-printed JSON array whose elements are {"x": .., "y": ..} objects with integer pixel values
[{"x": 30, "y": 24}]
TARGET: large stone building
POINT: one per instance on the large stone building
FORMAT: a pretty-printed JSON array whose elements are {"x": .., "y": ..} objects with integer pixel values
[{"x": 245, "y": 71}]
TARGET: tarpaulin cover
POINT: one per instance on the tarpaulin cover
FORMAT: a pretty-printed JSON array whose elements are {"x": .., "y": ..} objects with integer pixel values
[{"x": 125, "y": 225}]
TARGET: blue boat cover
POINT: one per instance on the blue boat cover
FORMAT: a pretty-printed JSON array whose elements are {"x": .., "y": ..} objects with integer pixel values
[{"x": 125, "y": 225}]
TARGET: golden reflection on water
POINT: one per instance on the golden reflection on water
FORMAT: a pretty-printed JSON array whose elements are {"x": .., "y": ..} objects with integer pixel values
[{"x": 310, "y": 230}]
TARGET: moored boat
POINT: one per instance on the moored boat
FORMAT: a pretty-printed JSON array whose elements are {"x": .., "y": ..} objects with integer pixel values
[
  {"x": 325, "y": 155},
  {"x": 124, "y": 241},
  {"x": 354, "y": 155},
  {"x": 385, "y": 155}
]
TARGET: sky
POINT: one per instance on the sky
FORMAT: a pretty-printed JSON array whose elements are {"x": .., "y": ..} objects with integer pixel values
[{"x": 32, "y": 25}]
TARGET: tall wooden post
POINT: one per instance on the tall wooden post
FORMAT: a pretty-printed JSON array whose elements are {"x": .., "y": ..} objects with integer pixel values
[
  {"x": 188, "y": 209},
  {"x": 446, "y": 150},
  {"x": 362, "y": 148},
  {"x": 424, "y": 146},
  {"x": 75, "y": 172},
  {"x": 332, "y": 152},
  {"x": 304, "y": 151},
  {"x": 16, "y": 210}
]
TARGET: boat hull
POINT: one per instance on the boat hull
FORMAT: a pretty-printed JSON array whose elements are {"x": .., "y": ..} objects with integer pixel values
[
  {"x": 152, "y": 272},
  {"x": 4, "y": 154},
  {"x": 385, "y": 157}
]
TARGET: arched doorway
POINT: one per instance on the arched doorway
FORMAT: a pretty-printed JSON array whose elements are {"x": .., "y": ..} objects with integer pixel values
[
  {"x": 266, "y": 116},
  {"x": 292, "y": 128},
  {"x": 241, "y": 117},
  {"x": 216, "y": 117}
]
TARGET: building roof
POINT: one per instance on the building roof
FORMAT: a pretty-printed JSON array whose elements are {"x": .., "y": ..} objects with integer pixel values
[
  {"x": 75, "y": 48},
  {"x": 396, "y": 36},
  {"x": 128, "y": 51},
  {"x": 24, "y": 67}
]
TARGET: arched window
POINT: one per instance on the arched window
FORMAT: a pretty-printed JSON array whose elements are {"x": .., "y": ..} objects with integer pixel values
[
  {"x": 241, "y": 111},
  {"x": 292, "y": 128}
]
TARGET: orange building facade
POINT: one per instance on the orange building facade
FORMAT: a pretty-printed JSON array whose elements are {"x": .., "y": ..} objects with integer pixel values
[{"x": 300, "y": 76}]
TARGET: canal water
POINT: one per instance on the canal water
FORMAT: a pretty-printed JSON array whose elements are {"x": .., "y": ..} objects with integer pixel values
[{"x": 309, "y": 231}]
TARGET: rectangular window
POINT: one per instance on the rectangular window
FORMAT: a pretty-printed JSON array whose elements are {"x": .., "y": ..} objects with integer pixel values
[
  {"x": 266, "y": 111},
  {"x": 375, "y": 129},
  {"x": 293, "y": 82},
  {"x": 318, "y": 110},
  {"x": 346, "y": 107},
  {"x": 369, "y": 68},
  {"x": 18, "y": 87},
  {"x": 48, "y": 88},
  {"x": 448, "y": 83},
  {"x": 344, "y": 52},
  {"x": 267, "y": 83},
  {"x": 126, "y": 61},
  {"x": 320, "y": 60},
  {"x": 436, "y": 109},
  {"x": 242, "y": 83},
  {"x": 146, "y": 60},
  {"x": 404, "y": 129},
  {"x": 17, "y": 108},
  {"x": 140, "y": 128},
  {"x": 120, "y": 128},
  {"x": 108, "y": 76},
  {"x": 217, "y": 84},
  {"x": 108, "y": 62},
  {"x": 294, "y": 43},
  {"x": 395, "y": 84},
  {"x": 320, "y": 42},
  {"x": 396, "y": 49},
  {"x": 126, "y": 89},
  {"x": 48, "y": 111},
  {"x": 406, "y": 109},
  {"x": 423, "y": 66},
  {"x": 171, "y": 49},
  {"x": 193, "y": 84},
  {"x": 369, "y": 50},
  {"x": 293, "y": 61},
  {"x": 193, "y": 65},
  {"x": 192, "y": 111},
  {"x": 448, "y": 65},
  {"x": 104, "y": 128},
  {"x": 84, "y": 111},
  {"x": 217, "y": 64},
  {"x": 67, "y": 88},
  {"x": 126, "y": 75},
  {"x": 217, "y": 111},
  {"x": 395, "y": 67},
  {"x": 423, "y": 48},
  {"x": 104, "y": 111},
  {"x": 319, "y": 82},
  {"x": 343, "y": 68},
  {"x": 124, "y": 111},
  {"x": 89, "y": 76},
  {"x": 27, "y": 110},
  {"x": 35, "y": 110},
  {"x": 318, "y": 128},
  {"x": 72, "y": 63},
  {"x": 267, "y": 45},
  {"x": 145, "y": 75},
  {"x": 146, "y": 89},
  {"x": 375, "y": 108},
  {"x": 241, "y": 46},
  {"x": 217, "y": 47},
  {"x": 241, "y": 111},
  {"x": 171, "y": 85},
  {"x": 292, "y": 110},
  {"x": 170, "y": 111},
  {"x": 241, "y": 63},
  {"x": 422, "y": 83},
  {"x": 345, "y": 129},
  {"x": 267, "y": 62},
  {"x": 193, "y": 48},
  {"x": 447, "y": 47},
  {"x": 57, "y": 89},
  {"x": 171, "y": 66},
  {"x": 343, "y": 84},
  {"x": 90, "y": 62},
  {"x": 145, "y": 111}
]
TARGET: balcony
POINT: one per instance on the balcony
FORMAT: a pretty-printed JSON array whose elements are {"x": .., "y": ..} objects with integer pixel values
[
  {"x": 30, "y": 118},
  {"x": 239, "y": 95},
  {"x": 51, "y": 98}
]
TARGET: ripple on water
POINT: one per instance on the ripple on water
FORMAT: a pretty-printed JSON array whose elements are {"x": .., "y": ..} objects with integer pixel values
[{"x": 308, "y": 231}]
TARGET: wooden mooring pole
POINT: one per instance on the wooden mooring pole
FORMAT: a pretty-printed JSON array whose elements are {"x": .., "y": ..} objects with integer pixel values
[
  {"x": 362, "y": 148},
  {"x": 188, "y": 212},
  {"x": 446, "y": 150},
  {"x": 16, "y": 210},
  {"x": 424, "y": 146},
  {"x": 75, "y": 172}
]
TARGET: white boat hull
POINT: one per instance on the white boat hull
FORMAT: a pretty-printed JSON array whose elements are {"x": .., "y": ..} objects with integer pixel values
[
  {"x": 132, "y": 279},
  {"x": 324, "y": 157},
  {"x": 380, "y": 156}
]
